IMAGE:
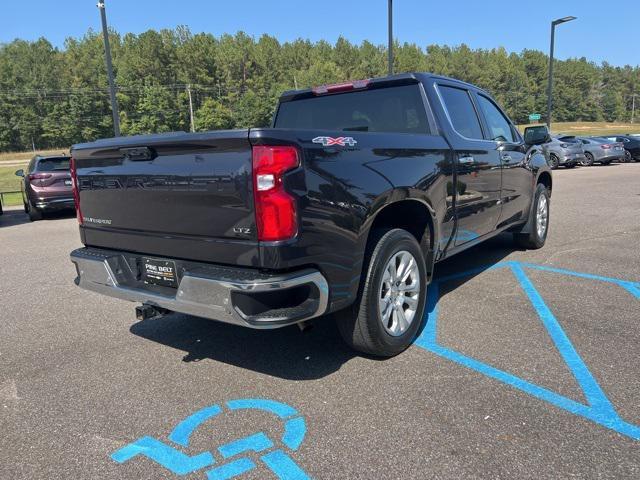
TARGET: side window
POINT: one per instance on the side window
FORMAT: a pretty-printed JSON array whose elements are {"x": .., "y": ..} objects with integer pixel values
[
  {"x": 499, "y": 127},
  {"x": 461, "y": 111}
]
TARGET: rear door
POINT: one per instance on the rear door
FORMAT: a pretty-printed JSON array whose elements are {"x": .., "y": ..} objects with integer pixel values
[{"x": 478, "y": 179}]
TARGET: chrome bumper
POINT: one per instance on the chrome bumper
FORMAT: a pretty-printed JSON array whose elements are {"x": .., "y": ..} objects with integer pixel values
[{"x": 204, "y": 290}]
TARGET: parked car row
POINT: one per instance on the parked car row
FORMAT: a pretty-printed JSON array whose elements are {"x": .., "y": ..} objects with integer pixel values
[{"x": 568, "y": 151}]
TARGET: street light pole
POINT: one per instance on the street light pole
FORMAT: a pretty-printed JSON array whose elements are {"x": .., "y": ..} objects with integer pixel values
[
  {"x": 550, "y": 78},
  {"x": 390, "y": 48},
  {"x": 107, "y": 60}
]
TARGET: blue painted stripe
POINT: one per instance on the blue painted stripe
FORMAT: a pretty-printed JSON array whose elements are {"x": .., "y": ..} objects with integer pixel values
[
  {"x": 600, "y": 411},
  {"x": 256, "y": 443},
  {"x": 610, "y": 419},
  {"x": 185, "y": 428},
  {"x": 588, "y": 276},
  {"x": 428, "y": 334},
  {"x": 594, "y": 394},
  {"x": 170, "y": 458},
  {"x": 283, "y": 466},
  {"x": 279, "y": 409},
  {"x": 230, "y": 470},
  {"x": 294, "y": 432}
]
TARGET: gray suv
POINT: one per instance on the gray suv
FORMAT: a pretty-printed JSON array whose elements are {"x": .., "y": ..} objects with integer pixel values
[{"x": 563, "y": 151}]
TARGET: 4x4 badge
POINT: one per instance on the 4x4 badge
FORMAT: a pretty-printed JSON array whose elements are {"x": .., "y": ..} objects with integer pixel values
[{"x": 340, "y": 141}]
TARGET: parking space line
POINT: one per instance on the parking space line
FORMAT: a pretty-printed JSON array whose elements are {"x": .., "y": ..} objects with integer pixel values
[{"x": 599, "y": 410}]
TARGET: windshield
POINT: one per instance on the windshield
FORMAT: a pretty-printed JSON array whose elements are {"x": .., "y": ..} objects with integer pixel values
[{"x": 53, "y": 164}]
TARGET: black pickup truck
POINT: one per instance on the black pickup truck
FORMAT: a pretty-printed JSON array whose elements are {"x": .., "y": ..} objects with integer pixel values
[{"x": 345, "y": 205}]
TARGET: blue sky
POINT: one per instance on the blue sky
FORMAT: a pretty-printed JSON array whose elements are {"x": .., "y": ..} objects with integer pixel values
[{"x": 604, "y": 31}]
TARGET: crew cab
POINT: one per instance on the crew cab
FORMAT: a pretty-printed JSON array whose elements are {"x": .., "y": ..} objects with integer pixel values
[{"x": 344, "y": 206}]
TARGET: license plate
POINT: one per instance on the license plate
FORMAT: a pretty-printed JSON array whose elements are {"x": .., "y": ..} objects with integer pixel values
[
  {"x": 159, "y": 272},
  {"x": 67, "y": 182}
]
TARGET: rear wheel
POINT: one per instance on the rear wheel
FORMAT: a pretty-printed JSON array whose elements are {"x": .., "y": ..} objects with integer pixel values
[
  {"x": 588, "y": 160},
  {"x": 627, "y": 156},
  {"x": 539, "y": 221},
  {"x": 554, "y": 161},
  {"x": 34, "y": 213},
  {"x": 389, "y": 310}
]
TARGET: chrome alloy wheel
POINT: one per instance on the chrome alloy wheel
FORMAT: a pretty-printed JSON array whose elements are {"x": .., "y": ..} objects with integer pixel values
[
  {"x": 542, "y": 216},
  {"x": 398, "y": 293}
]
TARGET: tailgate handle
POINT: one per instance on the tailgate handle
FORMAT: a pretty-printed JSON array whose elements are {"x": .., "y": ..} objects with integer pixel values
[{"x": 138, "y": 153}]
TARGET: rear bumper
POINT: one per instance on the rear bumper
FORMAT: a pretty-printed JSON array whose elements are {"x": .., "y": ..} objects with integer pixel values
[
  {"x": 239, "y": 296},
  {"x": 61, "y": 203}
]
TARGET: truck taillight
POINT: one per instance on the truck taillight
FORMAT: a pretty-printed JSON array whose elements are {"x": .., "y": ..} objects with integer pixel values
[
  {"x": 76, "y": 189},
  {"x": 276, "y": 217}
]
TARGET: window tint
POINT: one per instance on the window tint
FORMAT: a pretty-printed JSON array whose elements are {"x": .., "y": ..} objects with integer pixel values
[
  {"x": 463, "y": 115},
  {"x": 499, "y": 127},
  {"x": 53, "y": 164},
  {"x": 392, "y": 109}
]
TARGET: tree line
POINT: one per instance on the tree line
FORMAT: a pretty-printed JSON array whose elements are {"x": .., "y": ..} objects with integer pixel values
[{"x": 52, "y": 97}]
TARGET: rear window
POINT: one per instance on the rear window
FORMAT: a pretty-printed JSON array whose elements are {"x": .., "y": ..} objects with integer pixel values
[
  {"x": 53, "y": 164},
  {"x": 391, "y": 110}
]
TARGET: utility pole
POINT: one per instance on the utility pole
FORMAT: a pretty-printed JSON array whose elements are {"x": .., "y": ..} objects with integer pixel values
[
  {"x": 550, "y": 80},
  {"x": 390, "y": 48},
  {"x": 193, "y": 128},
  {"x": 107, "y": 59},
  {"x": 633, "y": 106}
]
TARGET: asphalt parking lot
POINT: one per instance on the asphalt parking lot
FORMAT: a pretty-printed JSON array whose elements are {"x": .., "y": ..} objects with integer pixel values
[{"x": 529, "y": 367}]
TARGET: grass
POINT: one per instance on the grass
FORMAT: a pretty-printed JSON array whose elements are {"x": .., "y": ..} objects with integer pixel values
[
  {"x": 591, "y": 128},
  {"x": 11, "y": 199}
]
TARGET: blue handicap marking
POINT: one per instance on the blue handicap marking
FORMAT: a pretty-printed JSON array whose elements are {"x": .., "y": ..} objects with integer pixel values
[
  {"x": 273, "y": 457},
  {"x": 599, "y": 408}
]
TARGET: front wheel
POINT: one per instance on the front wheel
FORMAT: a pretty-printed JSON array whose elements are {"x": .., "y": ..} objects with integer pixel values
[
  {"x": 539, "y": 221},
  {"x": 554, "y": 161},
  {"x": 389, "y": 310}
]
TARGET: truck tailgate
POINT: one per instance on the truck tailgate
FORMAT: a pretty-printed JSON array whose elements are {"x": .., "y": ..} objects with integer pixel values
[{"x": 175, "y": 195}]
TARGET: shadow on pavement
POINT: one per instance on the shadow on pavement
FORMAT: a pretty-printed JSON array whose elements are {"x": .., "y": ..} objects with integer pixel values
[
  {"x": 16, "y": 216},
  {"x": 288, "y": 353}
]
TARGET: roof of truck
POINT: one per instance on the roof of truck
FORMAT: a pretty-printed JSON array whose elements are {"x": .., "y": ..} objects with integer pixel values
[{"x": 399, "y": 79}]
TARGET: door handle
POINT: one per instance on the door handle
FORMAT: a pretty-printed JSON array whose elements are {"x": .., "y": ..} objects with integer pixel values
[
  {"x": 506, "y": 158},
  {"x": 466, "y": 159}
]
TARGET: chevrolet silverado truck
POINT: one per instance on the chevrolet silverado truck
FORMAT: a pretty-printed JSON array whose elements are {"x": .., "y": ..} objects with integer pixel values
[{"x": 344, "y": 205}]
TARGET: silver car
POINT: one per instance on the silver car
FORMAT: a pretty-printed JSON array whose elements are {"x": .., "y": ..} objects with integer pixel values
[
  {"x": 563, "y": 151},
  {"x": 601, "y": 150}
]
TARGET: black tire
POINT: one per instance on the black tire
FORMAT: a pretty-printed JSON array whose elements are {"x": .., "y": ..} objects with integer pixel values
[
  {"x": 628, "y": 158},
  {"x": 608, "y": 162},
  {"x": 34, "y": 213},
  {"x": 361, "y": 325},
  {"x": 588, "y": 159},
  {"x": 569, "y": 165},
  {"x": 554, "y": 161},
  {"x": 533, "y": 239}
]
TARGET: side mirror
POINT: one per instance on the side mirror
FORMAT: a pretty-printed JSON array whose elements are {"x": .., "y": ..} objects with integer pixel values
[
  {"x": 20, "y": 173},
  {"x": 537, "y": 135}
]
